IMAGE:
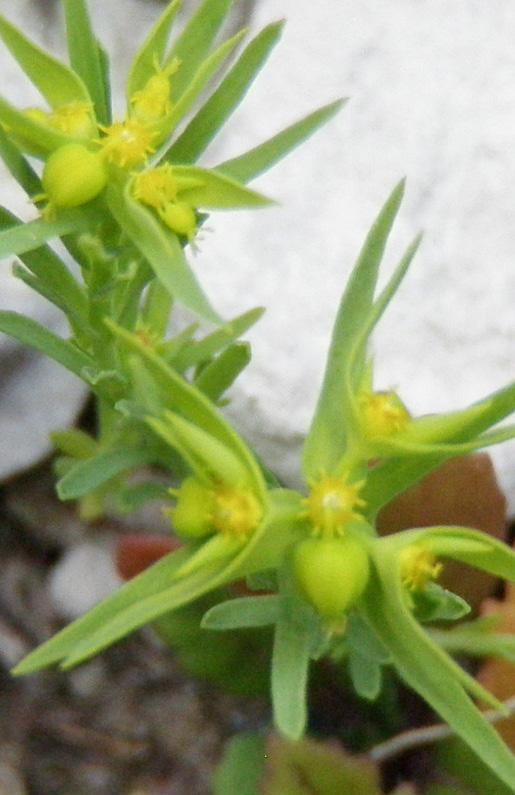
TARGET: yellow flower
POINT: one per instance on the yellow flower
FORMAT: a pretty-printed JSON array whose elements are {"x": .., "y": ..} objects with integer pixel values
[
  {"x": 332, "y": 504},
  {"x": 418, "y": 567},
  {"x": 382, "y": 414},
  {"x": 152, "y": 102},
  {"x": 156, "y": 187},
  {"x": 127, "y": 143}
]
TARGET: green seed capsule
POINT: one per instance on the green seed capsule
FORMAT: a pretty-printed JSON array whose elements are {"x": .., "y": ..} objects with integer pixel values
[
  {"x": 73, "y": 175},
  {"x": 180, "y": 218},
  {"x": 331, "y": 573},
  {"x": 192, "y": 516}
]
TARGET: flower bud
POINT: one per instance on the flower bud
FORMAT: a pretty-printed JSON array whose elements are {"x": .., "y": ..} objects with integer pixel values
[
  {"x": 192, "y": 516},
  {"x": 73, "y": 175},
  {"x": 331, "y": 573}
]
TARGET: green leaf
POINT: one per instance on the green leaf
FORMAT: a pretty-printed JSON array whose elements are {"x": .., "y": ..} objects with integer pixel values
[
  {"x": 18, "y": 166},
  {"x": 149, "y": 582},
  {"x": 290, "y": 666},
  {"x": 203, "y": 350},
  {"x": 162, "y": 250},
  {"x": 251, "y": 164},
  {"x": 198, "y": 82},
  {"x": 50, "y": 270},
  {"x": 85, "y": 55},
  {"x": 74, "y": 443},
  {"x": 435, "y": 603},
  {"x": 211, "y": 117},
  {"x": 327, "y": 436},
  {"x": 152, "y": 52},
  {"x": 478, "y": 638},
  {"x": 250, "y": 611},
  {"x": 193, "y": 45},
  {"x": 37, "y": 139},
  {"x": 32, "y": 334},
  {"x": 179, "y": 396},
  {"x": 218, "y": 192},
  {"x": 242, "y": 766},
  {"x": 20, "y": 238},
  {"x": 366, "y": 675},
  {"x": 428, "y": 670},
  {"x": 86, "y": 476},
  {"x": 221, "y": 373},
  {"x": 361, "y": 637},
  {"x": 58, "y": 84}
]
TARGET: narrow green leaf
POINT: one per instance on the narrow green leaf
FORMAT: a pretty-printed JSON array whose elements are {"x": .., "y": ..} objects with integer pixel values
[
  {"x": 86, "y": 476},
  {"x": 21, "y": 238},
  {"x": 50, "y": 270},
  {"x": 199, "y": 81},
  {"x": 256, "y": 161},
  {"x": 32, "y": 334},
  {"x": 85, "y": 55},
  {"x": 74, "y": 443},
  {"x": 211, "y": 117},
  {"x": 476, "y": 639},
  {"x": 37, "y": 139},
  {"x": 152, "y": 51},
  {"x": 193, "y": 45},
  {"x": 435, "y": 603},
  {"x": 149, "y": 582},
  {"x": 18, "y": 165},
  {"x": 250, "y": 611},
  {"x": 366, "y": 675},
  {"x": 180, "y": 396},
  {"x": 326, "y": 439},
  {"x": 426, "y": 669},
  {"x": 290, "y": 667},
  {"x": 220, "y": 374},
  {"x": 162, "y": 250},
  {"x": 218, "y": 192},
  {"x": 204, "y": 450},
  {"x": 58, "y": 84},
  {"x": 203, "y": 350}
]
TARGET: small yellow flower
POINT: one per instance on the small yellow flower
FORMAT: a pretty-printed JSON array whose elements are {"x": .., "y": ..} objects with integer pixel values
[
  {"x": 152, "y": 102},
  {"x": 203, "y": 510},
  {"x": 236, "y": 511},
  {"x": 127, "y": 143},
  {"x": 73, "y": 119},
  {"x": 156, "y": 187},
  {"x": 418, "y": 567},
  {"x": 382, "y": 414},
  {"x": 332, "y": 504}
]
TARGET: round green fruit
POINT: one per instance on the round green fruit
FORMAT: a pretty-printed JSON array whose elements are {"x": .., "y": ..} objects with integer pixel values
[
  {"x": 331, "y": 573},
  {"x": 73, "y": 175}
]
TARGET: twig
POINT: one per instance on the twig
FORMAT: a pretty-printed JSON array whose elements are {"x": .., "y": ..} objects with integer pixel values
[{"x": 429, "y": 734}]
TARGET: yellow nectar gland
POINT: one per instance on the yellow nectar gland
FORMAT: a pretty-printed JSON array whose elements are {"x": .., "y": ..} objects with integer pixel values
[
  {"x": 152, "y": 102},
  {"x": 383, "y": 414},
  {"x": 332, "y": 504},
  {"x": 236, "y": 511},
  {"x": 127, "y": 143},
  {"x": 156, "y": 187},
  {"x": 418, "y": 567}
]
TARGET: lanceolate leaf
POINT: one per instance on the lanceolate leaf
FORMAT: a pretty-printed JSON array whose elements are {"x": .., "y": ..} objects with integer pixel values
[
  {"x": 88, "y": 475},
  {"x": 162, "y": 250},
  {"x": 19, "y": 167},
  {"x": 192, "y": 46},
  {"x": 32, "y": 334},
  {"x": 221, "y": 373},
  {"x": 85, "y": 55},
  {"x": 250, "y": 611},
  {"x": 214, "y": 113},
  {"x": 203, "y": 350},
  {"x": 152, "y": 51},
  {"x": 290, "y": 666},
  {"x": 218, "y": 192},
  {"x": 58, "y": 84},
  {"x": 326, "y": 440},
  {"x": 251, "y": 164},
  {"x": 430, "y": 672},
  {"x": 21, "y": 238}
]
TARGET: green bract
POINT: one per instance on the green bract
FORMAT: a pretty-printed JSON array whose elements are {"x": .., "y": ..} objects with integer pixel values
[{"x": 334, "y": 587}]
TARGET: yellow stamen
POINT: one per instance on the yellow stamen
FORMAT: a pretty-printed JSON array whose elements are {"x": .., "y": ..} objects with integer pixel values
[
  {"x": 152, "y": 102},
  {"x": 383, "y": 414},
  {"x": 127, "y": 143},
  {"x": 332, "y": 504},
  {"x": 156, "y": 186},
  {"x": 236, "y": 511},
  {"x": 418, "y": 567}
]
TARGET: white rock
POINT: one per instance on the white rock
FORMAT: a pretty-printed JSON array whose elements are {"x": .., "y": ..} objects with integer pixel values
[{"x": 85, "y": 575}]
